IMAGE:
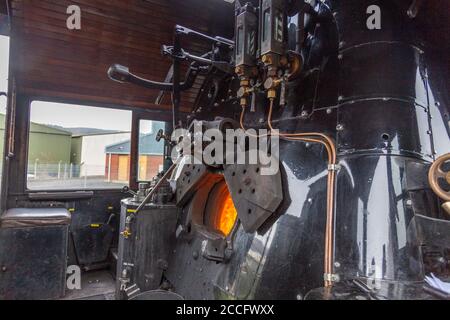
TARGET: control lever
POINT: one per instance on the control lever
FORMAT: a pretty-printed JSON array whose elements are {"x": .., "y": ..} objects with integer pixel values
[
  {"x": 219, "y": 40},
  {"x": 119, "y": 73},
  {"x": 283, "y": 93},
  {"x": 253, "y": 102},
  {"x": 122, "y": 74},
  {"x": 184, "y": 55},
  {"x": 160, "y": 135},
  {"x": 127, "y": 189}
]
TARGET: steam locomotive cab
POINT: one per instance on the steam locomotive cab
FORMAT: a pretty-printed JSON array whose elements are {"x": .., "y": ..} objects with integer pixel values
[
  {"x": 359, "y": 117},
  {"x": 313, "y": 164}
]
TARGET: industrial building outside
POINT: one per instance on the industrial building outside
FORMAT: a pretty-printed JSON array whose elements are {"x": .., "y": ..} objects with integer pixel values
[{"x": 85, "y": 157}]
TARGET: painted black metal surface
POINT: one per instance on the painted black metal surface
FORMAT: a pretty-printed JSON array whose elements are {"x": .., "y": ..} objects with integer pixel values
[
  {"x": 378, "y": 94},
  {"x": 143, "y": 254},
  {"x": 33, "y": 262}
]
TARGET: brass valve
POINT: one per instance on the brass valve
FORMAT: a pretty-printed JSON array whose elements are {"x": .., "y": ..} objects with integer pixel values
[
  {"x": 446, "y": 207},
  {"x": 126, "y": 233},
  {"x": 244, "y": 91},
  {"x": 271, "y": 85}
]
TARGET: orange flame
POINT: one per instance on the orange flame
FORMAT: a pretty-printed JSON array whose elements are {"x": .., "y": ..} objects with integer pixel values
[{"x": 227, "y": 216}]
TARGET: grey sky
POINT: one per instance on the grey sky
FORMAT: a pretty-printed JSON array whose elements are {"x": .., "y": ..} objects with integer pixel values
[{"x": 72, "y": 116}]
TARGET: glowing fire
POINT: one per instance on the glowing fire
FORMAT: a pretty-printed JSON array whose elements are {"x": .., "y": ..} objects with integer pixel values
[{"x": 227, "y": 215}]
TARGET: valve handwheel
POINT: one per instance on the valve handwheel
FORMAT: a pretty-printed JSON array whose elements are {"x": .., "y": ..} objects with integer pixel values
[{"x": 438, "y": 172}]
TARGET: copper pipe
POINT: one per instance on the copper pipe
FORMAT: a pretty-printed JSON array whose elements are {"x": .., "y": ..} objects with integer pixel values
[
  {"x": 332, "y": 157},
  {"x": 243, "y": 127},
  {"x": 329, "y": 145}
]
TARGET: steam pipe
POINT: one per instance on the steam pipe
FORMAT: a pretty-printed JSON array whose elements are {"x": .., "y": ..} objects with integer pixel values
[
  {"x": 176, "y": 90},
  {"x": 329, "y": 145}
]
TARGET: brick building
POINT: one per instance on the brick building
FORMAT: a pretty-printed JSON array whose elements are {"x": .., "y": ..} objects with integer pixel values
[{"x": 151, "y": 159}]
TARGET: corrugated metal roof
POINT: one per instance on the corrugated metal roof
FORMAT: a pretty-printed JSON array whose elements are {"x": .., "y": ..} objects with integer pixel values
[
  {"x": 147, "y": 143},
  {"x": 38, "y": 128}
]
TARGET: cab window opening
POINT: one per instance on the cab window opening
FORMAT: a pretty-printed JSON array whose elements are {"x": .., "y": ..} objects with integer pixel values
[{"x": 77, "y": 147}]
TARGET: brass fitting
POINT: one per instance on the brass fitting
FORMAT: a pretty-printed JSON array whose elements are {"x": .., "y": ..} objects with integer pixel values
[
  {"x": 243, "y": 92},
  {"x": 446, "y": 207},
  {"x": 239, "y": 70},
  {"x": 126, "y": 233},
  {"x": 245, "y": 83},
  {"x": 272, "y": 94},
  {"x": 245, "y": 73},
  {"x": 267, "y": 59},
  {"x": 271, "y": 84}
]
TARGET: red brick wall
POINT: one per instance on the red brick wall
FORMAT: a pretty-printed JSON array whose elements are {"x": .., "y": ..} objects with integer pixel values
[
  {"x": 114, "y": 167},
  {"x": 153, "y": 163}
]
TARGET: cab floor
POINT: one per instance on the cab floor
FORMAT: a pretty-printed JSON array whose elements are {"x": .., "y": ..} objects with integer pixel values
[{"x": 95, "y": 285}]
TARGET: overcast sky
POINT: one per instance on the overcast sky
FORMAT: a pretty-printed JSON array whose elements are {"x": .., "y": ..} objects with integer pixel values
[
  {"x": 73, "y": 116},
  {"x": 69, "y": 116}
]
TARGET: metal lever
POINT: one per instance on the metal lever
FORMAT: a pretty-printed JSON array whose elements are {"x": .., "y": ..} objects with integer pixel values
[
  {"x": 119, "y": 73},
  {"x": 160, "y": 135},
  {"x": 253, "y": 102},
  {"x": 283, "y": 93},
  {"x": 122, "y": 74},
  {"x": 127, "y": 189},
  {"x": 183, "y": 30},
  {"x": 414, "y": 8},
  {"x": 184, "y": 55}
]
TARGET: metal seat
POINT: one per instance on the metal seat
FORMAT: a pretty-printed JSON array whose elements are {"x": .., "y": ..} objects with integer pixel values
[{"x": 34, "y": 217}]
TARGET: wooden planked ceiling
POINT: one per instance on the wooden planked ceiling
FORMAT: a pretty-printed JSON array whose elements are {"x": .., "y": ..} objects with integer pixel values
[{"x": 50, "y": 61}]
